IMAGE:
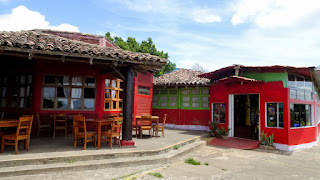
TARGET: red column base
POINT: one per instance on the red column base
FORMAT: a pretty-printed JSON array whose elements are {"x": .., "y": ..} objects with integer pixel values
[{"x": 127, "y": 143}]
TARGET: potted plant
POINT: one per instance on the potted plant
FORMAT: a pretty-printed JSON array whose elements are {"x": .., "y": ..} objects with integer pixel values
[
  {"x": 213, "y": 128},
  {"x": 266, "y": 142},
  {"x": 222, "y": 132}
]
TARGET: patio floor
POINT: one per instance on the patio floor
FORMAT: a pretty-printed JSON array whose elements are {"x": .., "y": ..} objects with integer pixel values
[{"x": 45, "y": 146}]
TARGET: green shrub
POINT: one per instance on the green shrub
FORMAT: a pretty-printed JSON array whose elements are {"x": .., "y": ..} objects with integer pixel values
[
  {"x": 266, "y": 140},
  {"x": 192, "y": 161}
]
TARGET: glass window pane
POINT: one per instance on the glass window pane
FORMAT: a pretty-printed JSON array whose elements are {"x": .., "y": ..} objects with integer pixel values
[
  {"x": 308, "y": 86},
  {"x": 173, "y": 98},
  {"x": 4, "y": 91},
  {"x": 144, "y": 90},
  {"x": 29, "y": 101},
  {"x": 49, "y": 79},
  {"x": 300, "y": 82},
  {"x": 75, "y": 103},
  {"x": 3, "y": 102},
  {"x": 107, "y": 94},
  {"x": 308, "y": 96},
  {"x": 114, "y": 104},
  {"x": 163, "y": 91},
  {"x": 205, "y": 98},
  {"x": 186, "y": 92},
  {"x": 90, "y": 82},
  {"x": 107, "y": 105},
  {"x": 107, "y": 82},
  {"x": 185, "y": 104},
  {"x": 114, "y": 83},
  {"x": 186, "y": 98},
  {"x": 77, "y": 81},
  {"x": 22, "y": 79},
  {"x": 89, "y": 103},
  {"x": 22, "y": 102},
  {"x": 205, "y": 105},
  {"x": 29, "y": 79},
  {"x": 154, "y": 104},
  {"x": 300, "y": 95},
  {"x": 76, "y": 92},
  {"x": 89, "y": 93},
  {"x": 173, "y": 92},
  {"x": 163, "y": 104},
  {"x": 62, "y": 103},
  {"x": 308, "y": 121},
  {"x": 63, "y": 92},
  {"x": 63, "y": 80},
  {"x": 163, "y": 98},
  {"x": 205, "y": 91},
  {"x": 196, "y": 98},
  {"x": 195, "y": 104},
  {"x": 219, "y": 112},
  {"x": 48, "y": 103},
  {"x": 155, "y": 91},
  {"x": 293, "y": 94},
  {"x": 48, "y": 91},
  {"x": 113, "y": 94},
  {"x": 120, "y": 104},
  {"x": 172, "y": 104},
  {"x": 196, "y": 92},
  {"x": 280, "y": 114},
  {"x": 22, "y": 92},
  {"x": 272, "y": 115},
  {"x": 155, "y": 98}
]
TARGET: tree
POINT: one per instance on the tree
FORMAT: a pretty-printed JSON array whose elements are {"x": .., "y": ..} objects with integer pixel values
[
  {"x": 198, "y": 67},
  {"x": 146, "y": 46}
]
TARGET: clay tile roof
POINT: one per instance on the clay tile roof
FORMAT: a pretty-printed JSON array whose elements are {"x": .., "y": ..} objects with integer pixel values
[
  {"x": 181, "y": 77},
  {"x": 46, "y": 43}
]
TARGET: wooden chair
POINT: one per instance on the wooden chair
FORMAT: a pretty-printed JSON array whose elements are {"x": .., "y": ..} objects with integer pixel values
[
  {"x": 80, "y": 131},
  {"x": 23, "y": 133},
  {"x": 160, "y": 127},
  {"x": 114, "y": 132},
  {"x": 60, "y": 123},
  {"x": 145, "y": 124},
  {"x": 43, "y": 125}
]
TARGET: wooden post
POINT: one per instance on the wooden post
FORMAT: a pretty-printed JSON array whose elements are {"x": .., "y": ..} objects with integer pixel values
[{"x": 128, "y": 108}]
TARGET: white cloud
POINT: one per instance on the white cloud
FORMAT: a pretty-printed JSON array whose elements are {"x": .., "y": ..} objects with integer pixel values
[
  {"x": 205, "y": 16},
  {"x": 274, "y": 13},
  {"x": 22, "y": 18}
]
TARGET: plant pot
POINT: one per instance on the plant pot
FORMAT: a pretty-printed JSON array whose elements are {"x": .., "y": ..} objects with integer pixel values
[
  {"x": 212, "y": 134},
  {"x": 225, "y": 136},
  {"x": 267, "y": 147}
]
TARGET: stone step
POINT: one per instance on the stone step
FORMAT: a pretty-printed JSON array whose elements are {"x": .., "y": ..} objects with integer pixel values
[
  {"x": 66, "y": 157},
  {"x": 32, "y": 169}
]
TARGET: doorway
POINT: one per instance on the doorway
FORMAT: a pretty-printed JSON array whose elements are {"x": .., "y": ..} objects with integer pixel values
[{"x": 246, "y": 116}]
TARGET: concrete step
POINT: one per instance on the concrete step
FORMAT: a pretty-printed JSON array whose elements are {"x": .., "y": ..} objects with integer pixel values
[
  {"x": 66, "y": 157},
  {"x": 32, "y": 169}
]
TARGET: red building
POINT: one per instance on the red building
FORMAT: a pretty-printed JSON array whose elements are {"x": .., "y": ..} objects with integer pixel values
[
  {"x": 278, "y": 100},
  {"x": 46, "y": 72}
]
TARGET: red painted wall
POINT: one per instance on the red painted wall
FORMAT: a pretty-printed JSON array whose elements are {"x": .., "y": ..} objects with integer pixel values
[
  {"x": 269, "y": 92},
  {"x": 142, "y": 103},
  {"x": 220, "y": 94}
]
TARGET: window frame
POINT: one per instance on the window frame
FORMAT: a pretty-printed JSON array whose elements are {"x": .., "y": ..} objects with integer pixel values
[
  {"x": 111, "y": 100},
  {"x": 311, "y": 116},
  {"x": 168, "y": 95},
  {"x": 201, "y": 95},
  {"x": 296, "y": 89},
  {"x": 278, "y": 115},
  {"x": 213, "y": 115},
  {"x": 70, "y": 86}
]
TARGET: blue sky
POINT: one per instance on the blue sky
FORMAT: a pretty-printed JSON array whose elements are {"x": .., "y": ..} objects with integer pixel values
[{"x": 212, "y": 33}]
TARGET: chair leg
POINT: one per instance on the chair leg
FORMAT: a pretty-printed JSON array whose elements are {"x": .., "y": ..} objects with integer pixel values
[
  {"x": 140, "y": 132},
  {"x": 162, "y": 132},
  {"x": 2, "y": 144},
  {"x": 110, "y": 142},
  {"x": 75, "y": 142},
  {"x": 16, "y": 146},
  {"x": 85, "y": 144}
]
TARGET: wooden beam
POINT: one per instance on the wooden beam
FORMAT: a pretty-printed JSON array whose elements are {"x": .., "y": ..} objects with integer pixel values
[
  {"x": 128, "y": 105},
  {"x": 118, "y": 72}
]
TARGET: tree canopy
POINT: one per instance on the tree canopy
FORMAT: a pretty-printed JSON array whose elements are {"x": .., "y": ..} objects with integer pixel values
[{"x": 145, "y": 46}]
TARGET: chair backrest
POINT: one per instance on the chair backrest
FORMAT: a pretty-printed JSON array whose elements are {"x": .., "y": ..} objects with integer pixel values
[
  {"x": 2, "y": 115},
  {"x": 164, "y": 120},
  {"x": 117, "y": 124},
  {"x": 24, "y": 126},
  {"x": 60, "y": 117},
  {"x": 146, "y": 120},
  {"x": 79, "y": 124}
]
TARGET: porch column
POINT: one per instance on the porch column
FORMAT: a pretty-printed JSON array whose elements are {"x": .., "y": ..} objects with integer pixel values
[{"x": 128, "y": 108}]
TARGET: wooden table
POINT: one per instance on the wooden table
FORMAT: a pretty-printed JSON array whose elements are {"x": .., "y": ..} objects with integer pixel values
[
  {"x": 154, "y": 119},
  {"x": 99, "y": 123},
  {"x": 9, "y": 123}
]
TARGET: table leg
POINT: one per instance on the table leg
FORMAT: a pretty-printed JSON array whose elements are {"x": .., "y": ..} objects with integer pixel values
[{"x": 99, "y": 135}]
